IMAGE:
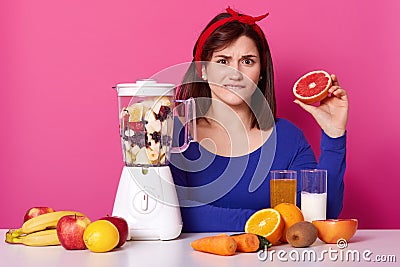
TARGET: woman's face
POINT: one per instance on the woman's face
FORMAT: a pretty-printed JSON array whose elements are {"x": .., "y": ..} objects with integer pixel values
[{"x": 234, "y": 72}]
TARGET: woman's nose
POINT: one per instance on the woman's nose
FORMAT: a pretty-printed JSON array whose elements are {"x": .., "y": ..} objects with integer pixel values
[{"x": 235, "y": 73}]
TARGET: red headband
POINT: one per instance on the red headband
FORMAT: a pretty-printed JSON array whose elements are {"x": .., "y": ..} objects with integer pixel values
[{"x": 234, "y": 17}]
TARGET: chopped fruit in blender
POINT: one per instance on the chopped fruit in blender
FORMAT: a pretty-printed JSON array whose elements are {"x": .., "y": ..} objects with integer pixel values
[
  {"x": 136, "y": 126},
  {"x": 135, "y": 149},
  {"x": 150, "y": 116},
  {"x": 163, "y": 113},
  {"x": 124, "y": 112},
  {"x": 156, "y": 126},
  {"x": 126, "y": 144},
  {"x": 148, "y": 104},
  {"x": 138, "y": 139},
  {"x": 164, "y": 101},
  {"x": 147, "y": 126},
  {"x": 128, "y": 157},
  {"x": 156, "y": 107},
  {"x": 166, "y": 140},
  {"x": 155, "y": 136},
  {"x": 154, "y": 146},
  {"x": 135, "y": 112},
  {"x": 129, "y": 132},
  {"x": 152, "y": 156},
  {"x": 162, "y": 159},
  {"x": 149, "y": 137},
  {"x": 146, "y": 140},
  {"x": 153, "y": 126},
  {"x": 141, "y": 157},
  {"x": 165, "y": 128}
]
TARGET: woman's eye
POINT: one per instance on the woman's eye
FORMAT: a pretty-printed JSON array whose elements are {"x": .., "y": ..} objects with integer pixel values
[
  {"x": 222, "y": 61},
  {"x": 248, "y": 61}
]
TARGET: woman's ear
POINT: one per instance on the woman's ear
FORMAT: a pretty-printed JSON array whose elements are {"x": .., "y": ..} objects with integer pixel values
[{"x": 203, "y": 73}]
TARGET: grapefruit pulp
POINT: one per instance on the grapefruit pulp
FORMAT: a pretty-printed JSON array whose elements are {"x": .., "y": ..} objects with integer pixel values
[{"x": 312, "y": 87}]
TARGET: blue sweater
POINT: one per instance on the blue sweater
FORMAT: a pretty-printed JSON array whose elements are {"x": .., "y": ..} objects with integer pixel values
[{"x": 219, "y": 194}]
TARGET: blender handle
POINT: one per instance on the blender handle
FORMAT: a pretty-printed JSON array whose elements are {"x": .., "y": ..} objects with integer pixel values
[{"x": 190, "y": 130}]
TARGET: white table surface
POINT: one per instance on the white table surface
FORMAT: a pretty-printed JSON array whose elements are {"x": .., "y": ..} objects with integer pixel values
[{"x": 179, "y": 253}]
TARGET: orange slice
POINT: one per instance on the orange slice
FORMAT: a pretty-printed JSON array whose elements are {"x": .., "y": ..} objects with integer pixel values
[
  {"x": 267, "y": 223},
  {"x": 290, "y": 214}
]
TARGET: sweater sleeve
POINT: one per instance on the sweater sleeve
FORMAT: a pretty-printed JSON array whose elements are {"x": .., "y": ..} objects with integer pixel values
[
  {"x": 333, "y": 159},
  {"x": 209, "y": 218},
  {"x": 199, "y": 217}
]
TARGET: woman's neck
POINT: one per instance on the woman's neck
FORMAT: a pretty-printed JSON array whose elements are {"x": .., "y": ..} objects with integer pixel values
[{"x": 232, "y": 118}]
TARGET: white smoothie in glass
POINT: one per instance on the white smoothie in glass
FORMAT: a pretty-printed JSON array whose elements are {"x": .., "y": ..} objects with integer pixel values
[{"x": 313, "y": 206}]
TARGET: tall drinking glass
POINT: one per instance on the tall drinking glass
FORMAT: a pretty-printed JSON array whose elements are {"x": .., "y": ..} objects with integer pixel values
[
  {"x": 313, "y": 194},
  {"x": 283, "y": 187}
]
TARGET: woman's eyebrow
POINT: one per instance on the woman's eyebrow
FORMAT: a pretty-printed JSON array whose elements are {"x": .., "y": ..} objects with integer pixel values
[
  {"x": 229, "y": 57},
  {"x": 249, "y": 56},
  {"x": 223, "y": 56}
]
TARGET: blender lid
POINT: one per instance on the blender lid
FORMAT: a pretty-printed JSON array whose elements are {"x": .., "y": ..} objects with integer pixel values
[{"x": 145, "y": 87}]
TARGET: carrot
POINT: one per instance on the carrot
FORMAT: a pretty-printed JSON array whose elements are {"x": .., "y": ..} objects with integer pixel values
[
  {"x": 220, "y": 245},
  {"x": 263, "y": 243},
  {"x": 247, "y": 242}
]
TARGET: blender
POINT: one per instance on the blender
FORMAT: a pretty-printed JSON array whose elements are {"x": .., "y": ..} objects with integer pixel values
[{"x": 146, "y": 197}]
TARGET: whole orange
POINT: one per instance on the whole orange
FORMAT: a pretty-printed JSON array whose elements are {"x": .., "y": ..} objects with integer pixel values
[{"x": 290, "y": 214}]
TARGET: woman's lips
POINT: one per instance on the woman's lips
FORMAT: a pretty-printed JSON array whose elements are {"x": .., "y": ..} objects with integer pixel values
[{"x": 234, "y": 86}]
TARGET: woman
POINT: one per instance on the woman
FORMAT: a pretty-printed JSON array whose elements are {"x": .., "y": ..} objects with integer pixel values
[{"x": 224, "y": 177}]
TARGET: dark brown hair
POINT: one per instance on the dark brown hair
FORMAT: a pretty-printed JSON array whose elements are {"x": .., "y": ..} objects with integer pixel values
[{"x": 192, "y": 86}]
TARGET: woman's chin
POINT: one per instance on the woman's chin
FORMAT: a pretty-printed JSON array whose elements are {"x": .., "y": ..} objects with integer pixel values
[{"x": 232, "y": 99}]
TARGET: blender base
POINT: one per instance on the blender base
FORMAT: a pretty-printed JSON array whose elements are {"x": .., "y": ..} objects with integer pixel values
[{"x": 146, "y": 198}]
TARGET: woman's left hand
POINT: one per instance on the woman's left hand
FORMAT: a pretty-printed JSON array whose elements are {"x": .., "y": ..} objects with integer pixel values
[{"x": 332, "y": 113}]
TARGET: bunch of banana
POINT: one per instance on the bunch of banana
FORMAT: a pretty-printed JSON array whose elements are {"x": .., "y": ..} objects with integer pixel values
[
  {"x": 40, "y": 230},
  {"x": 36, "y": 239}
]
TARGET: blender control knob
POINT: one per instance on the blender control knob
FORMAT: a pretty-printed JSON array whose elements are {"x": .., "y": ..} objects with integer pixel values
[{"x": 145, "y": 202}]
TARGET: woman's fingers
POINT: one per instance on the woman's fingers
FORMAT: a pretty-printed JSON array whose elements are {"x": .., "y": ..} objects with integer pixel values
[
  {"x": 308, "y": 108},
  {"x": 335, "y": 81},
  {"x": 338, "y": 92}
]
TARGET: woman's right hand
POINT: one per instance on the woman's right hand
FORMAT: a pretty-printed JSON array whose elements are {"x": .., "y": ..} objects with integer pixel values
[{"x": 332, "y": 113}]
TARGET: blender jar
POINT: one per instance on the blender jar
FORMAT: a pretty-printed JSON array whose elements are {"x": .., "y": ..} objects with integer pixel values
[{"x": 146, "y": 111}]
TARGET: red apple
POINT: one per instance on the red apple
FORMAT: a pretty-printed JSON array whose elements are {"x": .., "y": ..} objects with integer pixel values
[
  {"x": 70, "y": 229},
  {"x": 122, "y": 227},
  {"x": 36, "y": 211}
]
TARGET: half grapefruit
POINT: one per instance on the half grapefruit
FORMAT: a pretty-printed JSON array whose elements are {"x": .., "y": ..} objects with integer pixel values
[{"x": 312, "y": 87}]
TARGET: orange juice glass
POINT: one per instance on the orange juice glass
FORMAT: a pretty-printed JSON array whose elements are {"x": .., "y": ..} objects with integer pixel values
[{"x": 283, "y": 186}]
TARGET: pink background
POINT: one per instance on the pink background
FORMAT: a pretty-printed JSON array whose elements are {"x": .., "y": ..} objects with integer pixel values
[{"x": 59, "y": 59}]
